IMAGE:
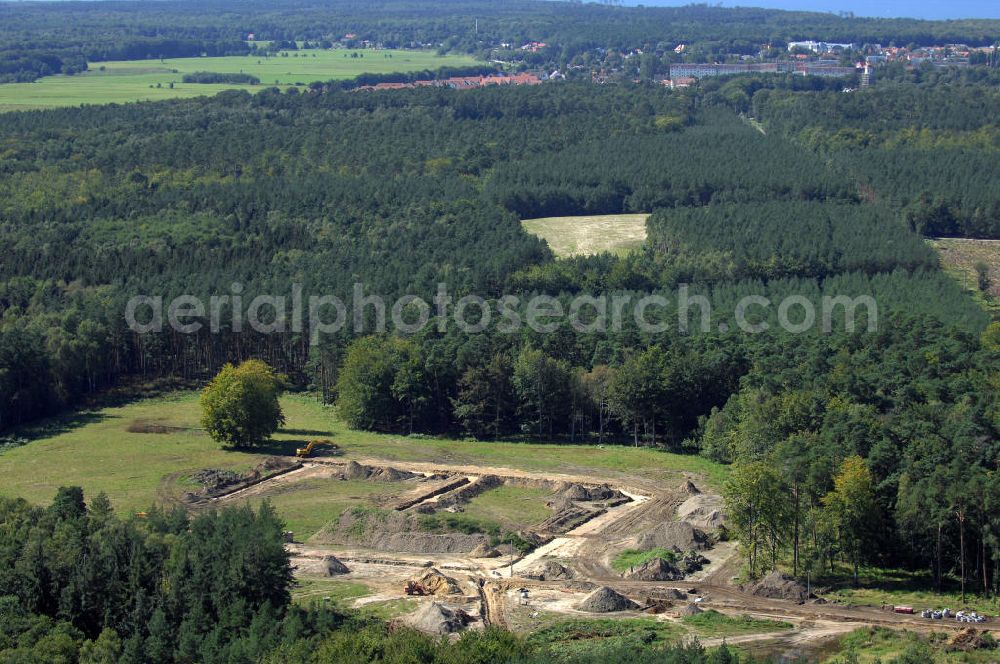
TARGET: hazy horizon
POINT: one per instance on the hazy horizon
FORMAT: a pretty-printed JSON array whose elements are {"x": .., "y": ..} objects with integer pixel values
[{"x": 920, "y": 9}]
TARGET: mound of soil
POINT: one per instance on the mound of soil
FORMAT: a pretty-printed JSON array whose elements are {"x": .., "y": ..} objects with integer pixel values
[
  {"x": 689, "y": 610},
  {"x": 355, "y": 471},
  {"x": 656, "y": 569},
  {"x": 434, "y": 582},
  {"x": 702, "y": 511},
  {"x": 692, "y": 562},
  {"x": 606, "y": 600},
  {"x": 469, "y": 491},
  {"x": 484, "y": 550},
  {"x": 589, "y": 494},
  {"x": 213, "y": 479},
  {"x": 550, "y": 571},
  {"x": 333, "y": 567},
  {"x": 971, "y": 638},
  {"x": 657, "y": 606},
  {"x": 777, "y": 586},
  {"x": 435, "y": 618},
  {"x": 675, "y": 535}
]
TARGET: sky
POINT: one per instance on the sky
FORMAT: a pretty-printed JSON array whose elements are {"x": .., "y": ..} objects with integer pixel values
[{"x": 927, "y": 9}]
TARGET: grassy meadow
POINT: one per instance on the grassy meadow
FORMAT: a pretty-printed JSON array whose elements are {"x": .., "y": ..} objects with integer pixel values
[
  {"x": 149, "y": 80},
  {"x": 111, "y": 450},
  {"x": 583, "y": 236},
  {"x": 959, "y": 257}
]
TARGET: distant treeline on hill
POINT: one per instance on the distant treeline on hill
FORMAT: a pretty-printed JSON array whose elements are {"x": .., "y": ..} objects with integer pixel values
[
  {"x": 405, "y": 77},
  {"x": 216, "y": 77}
]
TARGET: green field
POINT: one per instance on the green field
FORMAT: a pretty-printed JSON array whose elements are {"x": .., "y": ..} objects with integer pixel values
[
  {"x": 98, "y": 451},
  {"x": 710, "y": 624},
  {"x": 309, "y": 505},
  {"x": 137, "y": 80},
  {"x": 582, "y": 236},
  {"x": 514, "y": 508}
]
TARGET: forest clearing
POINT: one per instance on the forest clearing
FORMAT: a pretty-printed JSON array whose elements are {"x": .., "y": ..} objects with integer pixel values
[{"x": 584, "y": 236}]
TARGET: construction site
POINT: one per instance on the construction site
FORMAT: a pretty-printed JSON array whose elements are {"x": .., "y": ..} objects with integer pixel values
[{"x": 424, "y": 540}]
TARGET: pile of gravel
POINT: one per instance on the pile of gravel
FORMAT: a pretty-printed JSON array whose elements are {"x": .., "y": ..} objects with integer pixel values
[
  {"x": 606, "y": 600},
  {"x": 550, "y": 571},
  {"x": 777, "y": 586},
  {"x": 332, "y": 566},
  {"x": 655, "y": 569},
  {"x": 484, "y": 550},
  {"x": 355, "y": 471},
  {"x": 689, "y": 610},
  {"x": 435, "y": 618},
  {"x": 675, "y": 535},
  {"x": 436, "y": 583}
]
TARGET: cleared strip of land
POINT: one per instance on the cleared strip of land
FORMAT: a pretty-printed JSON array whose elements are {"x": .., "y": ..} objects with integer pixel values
[{"x": 583, "y": 236}]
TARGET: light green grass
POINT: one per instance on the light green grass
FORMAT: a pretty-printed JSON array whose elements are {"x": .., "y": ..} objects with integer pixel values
[
  {"x": 514, "y": 508},
  {"x": 877, "y": 644},
  {"x": 96, "y": 451},
  {"x": 130, "y": 80},
  {"x": 555, "y": 629},
  {"x": 342, "y": 593},
  {"x": 310, "y": 589},
  {"x": 630, "y": 558},
  {"x": 581, "y": 236},
  {"x": 714, "y": 624},
  {"x": 309, "y": 505}
]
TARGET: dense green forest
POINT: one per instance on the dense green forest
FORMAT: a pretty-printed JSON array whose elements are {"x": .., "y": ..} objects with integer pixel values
[
  {"x": 925, "y": 141},
  {"x": 38, "y": 39}
]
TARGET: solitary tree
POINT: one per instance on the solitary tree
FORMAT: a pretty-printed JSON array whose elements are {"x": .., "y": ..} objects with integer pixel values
[{"x": 240, "y": 406}]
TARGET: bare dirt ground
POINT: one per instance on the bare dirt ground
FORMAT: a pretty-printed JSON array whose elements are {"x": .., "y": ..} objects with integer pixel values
[{"x": 493, "y": 588}]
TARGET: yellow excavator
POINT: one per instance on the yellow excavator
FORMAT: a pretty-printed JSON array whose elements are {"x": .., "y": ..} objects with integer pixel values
[{"x": 306, "y": 452}]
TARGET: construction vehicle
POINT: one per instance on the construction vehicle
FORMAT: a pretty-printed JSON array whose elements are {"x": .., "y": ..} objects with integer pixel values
[
  {"x": 306, "y": 452},
  {"x": 415, "y": 588}
]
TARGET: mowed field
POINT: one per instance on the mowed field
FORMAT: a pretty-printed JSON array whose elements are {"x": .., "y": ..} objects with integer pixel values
[
  {"x": 109, "y": 450},
  {"x": 583, "y": 236},
  {"x": 137, "y": 80},
  {"x": 960, "y": 256}
]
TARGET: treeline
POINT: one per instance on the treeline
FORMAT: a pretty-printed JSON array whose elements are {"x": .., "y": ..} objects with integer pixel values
[
  {"x": 404, "y": 77},
  {"x": 215, "y": 77},
  {"x": 33, "y": 58}
]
